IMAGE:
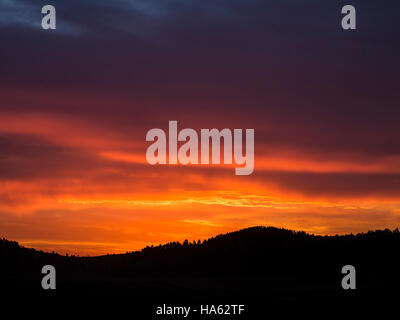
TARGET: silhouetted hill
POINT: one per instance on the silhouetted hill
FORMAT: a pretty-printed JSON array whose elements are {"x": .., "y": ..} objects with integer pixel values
[
  {"x": 229, "y": 252},
  {"x": 254, "y": 264}
]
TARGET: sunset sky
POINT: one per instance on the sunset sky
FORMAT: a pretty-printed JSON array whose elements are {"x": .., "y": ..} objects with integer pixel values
[{"x": 76, "y": 104}]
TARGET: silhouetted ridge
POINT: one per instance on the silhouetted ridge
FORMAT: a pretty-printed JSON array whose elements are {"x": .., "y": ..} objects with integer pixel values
[
  {"x": 258, "y": 236},
  {"x": 264, "y": 262},
  {"x": 270, "y": 247}
]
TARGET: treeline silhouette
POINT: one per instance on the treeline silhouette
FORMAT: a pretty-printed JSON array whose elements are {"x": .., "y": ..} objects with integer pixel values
[
  {"x": 253, "y": 264},
  {"x": 252, "y": 250}
]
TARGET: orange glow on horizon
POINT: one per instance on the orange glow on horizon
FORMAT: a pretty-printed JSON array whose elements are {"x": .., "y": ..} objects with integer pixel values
[{"x": 83, "y": 186}]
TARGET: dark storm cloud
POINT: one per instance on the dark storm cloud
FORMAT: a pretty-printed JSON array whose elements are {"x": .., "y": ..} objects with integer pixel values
[
  {"x": 285, "y": 68},
  {"x": 262, "y": 46}
]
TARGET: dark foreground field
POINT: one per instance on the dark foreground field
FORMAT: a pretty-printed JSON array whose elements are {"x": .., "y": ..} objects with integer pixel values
[{"x": 268, "y": 270}]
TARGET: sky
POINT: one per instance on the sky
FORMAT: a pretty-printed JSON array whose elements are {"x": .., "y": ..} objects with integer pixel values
[{"x": 76, "y": 104}]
